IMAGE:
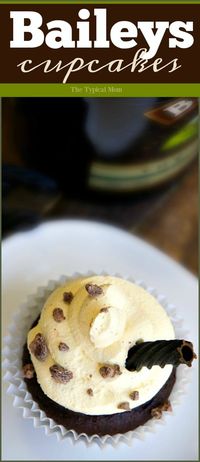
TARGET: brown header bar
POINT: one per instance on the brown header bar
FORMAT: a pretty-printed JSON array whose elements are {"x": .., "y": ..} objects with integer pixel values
[{"x": 173, "y": 59}]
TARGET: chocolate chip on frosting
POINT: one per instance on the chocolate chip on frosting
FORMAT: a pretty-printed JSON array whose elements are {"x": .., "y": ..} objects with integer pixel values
[
  {"x": 38, "y": 347},
  {"x": 124, "y": 405},
  {"x": 140, "y": 340},
  {"x": 104, "y": 310},
  {"x": 68, "y": 297},
  {"x": 109, "y": 370},
  {"x": 93, "y": 289},
  {"x": 63, "y": 346},
  {"x": 28, "y": 371},
  {"x": 90, "y": 391},
  {"x": 134, "y": 395},
  {"x": 58, "y": 315},
  {"x": 59, "y": 374}
]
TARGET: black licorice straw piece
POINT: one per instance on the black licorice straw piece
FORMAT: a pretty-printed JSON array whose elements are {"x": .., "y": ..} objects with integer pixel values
[{"x": 160, "y": 353}]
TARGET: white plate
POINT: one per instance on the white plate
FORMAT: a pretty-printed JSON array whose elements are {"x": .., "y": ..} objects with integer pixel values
[{"x": 30, "y": 259}]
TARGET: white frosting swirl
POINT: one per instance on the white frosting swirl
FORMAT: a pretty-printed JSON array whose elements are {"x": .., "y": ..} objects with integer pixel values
[{"x": 100, "y": 330}]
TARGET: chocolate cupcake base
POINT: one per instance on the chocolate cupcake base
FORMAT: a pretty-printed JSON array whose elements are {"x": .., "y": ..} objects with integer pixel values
[{"x": 98, "y": 424}]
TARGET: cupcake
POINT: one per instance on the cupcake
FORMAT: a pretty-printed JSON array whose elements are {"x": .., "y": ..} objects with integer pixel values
[{"x": 101, "y": 357}]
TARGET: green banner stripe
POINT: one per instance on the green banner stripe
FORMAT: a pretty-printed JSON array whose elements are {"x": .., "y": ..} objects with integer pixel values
[
  {"x": 93, "y": 2},
  {"x": 100, "y": 90}
]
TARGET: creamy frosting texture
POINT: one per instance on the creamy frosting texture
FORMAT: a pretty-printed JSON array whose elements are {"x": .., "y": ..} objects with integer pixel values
[{"x": 89, "y": 324}]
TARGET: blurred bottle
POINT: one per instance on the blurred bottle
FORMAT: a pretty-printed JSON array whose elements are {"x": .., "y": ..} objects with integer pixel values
[
  {"x": 106, "y": 145},
  {"x": 140, "y": 143}
]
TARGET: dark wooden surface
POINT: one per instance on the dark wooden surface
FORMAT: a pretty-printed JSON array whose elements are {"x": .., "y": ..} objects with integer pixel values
[
  {"x": 167, "y": 218},
  {"x": 173, "y": 226}
]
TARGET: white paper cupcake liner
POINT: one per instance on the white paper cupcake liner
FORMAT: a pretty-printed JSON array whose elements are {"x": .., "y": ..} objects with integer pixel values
[{"x": 12, "y": 363}]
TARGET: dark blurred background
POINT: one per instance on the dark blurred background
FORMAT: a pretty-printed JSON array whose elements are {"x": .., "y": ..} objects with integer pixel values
[{"x": 131, "y": 162}]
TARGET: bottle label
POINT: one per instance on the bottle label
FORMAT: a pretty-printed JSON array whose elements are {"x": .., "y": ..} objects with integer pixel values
[{"x": 173, "y": 111}]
